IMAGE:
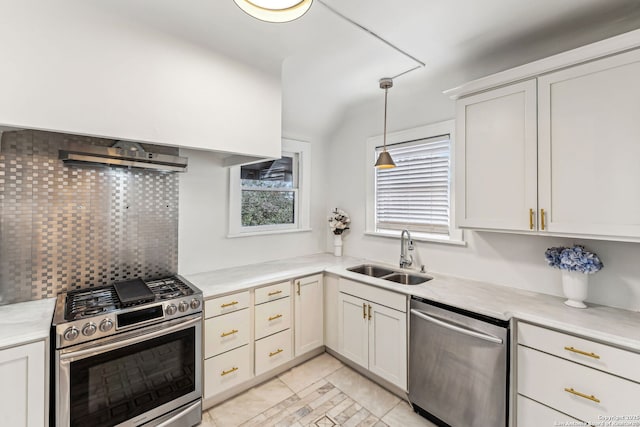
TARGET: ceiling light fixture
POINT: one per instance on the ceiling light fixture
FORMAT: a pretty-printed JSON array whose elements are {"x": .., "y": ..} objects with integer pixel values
[
  {"x": 384, "y": 160},
  {"x": 275, "y": 10}
]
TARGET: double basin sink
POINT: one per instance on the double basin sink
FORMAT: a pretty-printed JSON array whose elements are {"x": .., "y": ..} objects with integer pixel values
[{"x": 391, "y": 275}]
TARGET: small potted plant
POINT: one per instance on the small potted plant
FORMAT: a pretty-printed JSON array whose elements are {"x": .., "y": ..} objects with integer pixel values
[
  {"x": 338, "y": 223},
  {"x": 576, "y": 263}
]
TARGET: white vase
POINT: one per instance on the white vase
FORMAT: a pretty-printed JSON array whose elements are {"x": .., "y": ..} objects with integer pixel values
[
  {"x": 575, "y": 286},
  {"x": 337, "y": 244}
]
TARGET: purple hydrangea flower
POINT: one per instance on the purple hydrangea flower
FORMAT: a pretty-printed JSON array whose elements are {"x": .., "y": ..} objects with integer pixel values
[{"x": 575, "y": 258}]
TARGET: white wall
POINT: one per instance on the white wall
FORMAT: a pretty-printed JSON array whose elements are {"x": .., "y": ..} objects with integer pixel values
[
  {"x": 204, "y": 216},
  {"x": 504, "y": 259},
  {"x": 68, "y": 67}
]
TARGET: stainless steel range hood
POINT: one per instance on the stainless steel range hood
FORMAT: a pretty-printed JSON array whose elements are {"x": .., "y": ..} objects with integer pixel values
[{"x": 122, "y": 153}]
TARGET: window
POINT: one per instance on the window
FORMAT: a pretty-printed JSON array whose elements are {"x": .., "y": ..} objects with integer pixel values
[
  {"x": 416, "y": 194},
  {"x": 271, "y": 196}
]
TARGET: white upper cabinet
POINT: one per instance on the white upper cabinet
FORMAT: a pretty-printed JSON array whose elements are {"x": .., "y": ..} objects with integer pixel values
[
  {"x": 130, "y": 82},
  {"x": 589, "y": 146},
  {"x": 496, "y": 158},
  {"x": 555, "y": 153}
]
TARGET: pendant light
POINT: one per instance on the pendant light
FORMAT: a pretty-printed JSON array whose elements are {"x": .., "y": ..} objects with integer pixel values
[
  {"x": 384, "y": 160},
  {"x": 275, "y": 10}
]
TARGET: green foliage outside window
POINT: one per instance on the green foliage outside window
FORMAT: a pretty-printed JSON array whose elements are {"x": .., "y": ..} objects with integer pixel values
[{"x": 267, "y": 207}]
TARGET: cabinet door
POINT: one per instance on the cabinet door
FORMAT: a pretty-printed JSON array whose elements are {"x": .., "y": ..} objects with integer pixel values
[
  {"x": 353, "y": 329},
  {"x": 224, "y": 333},
  {"x": 330, "y": 288},
  {"x": 533, "y": 414},
  {"x": 22, "y": 399},
  {"x": 308, "y": 307},
  {"x": 496, "y": 162},
  {"x": 272, "y": 317},
  {"x": 388, "y": 344},
  {"x": 589, "y": 179},
  {"x": 226, "y": 370}
]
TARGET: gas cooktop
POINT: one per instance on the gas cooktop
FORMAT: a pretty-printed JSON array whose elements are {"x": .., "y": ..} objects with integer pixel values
[{"x": 87, "y": 314}]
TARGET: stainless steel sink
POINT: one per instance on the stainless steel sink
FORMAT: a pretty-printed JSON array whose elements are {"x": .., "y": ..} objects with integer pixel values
[
  {"x": 407, "y": 279},
  {"x": 371, "y": 270},
  {"x": 396, "y": 276}
]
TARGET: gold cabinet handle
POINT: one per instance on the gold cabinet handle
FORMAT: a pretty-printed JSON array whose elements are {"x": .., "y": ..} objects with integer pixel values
[
  {"x": 229, "y": 304},
  {"x": 278, "y": 351},
  {"x": 584, "y": 353},
  {"x": 369, "y": 312},
  {"x": 274, "y": 293},
  {"x": 542, "y": 219},
  {"x": 226, "y": 334},
  {"x": 530, "y": 219},
  {"x": 364, "y": 310},
  {"x": 585, "y": 396},
  {"x": 298, "y": 283},
  {"x": 229, "y": 371},
  {"x": 277, "y": 316}
]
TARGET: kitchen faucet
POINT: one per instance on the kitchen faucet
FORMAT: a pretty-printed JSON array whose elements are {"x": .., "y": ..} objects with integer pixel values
[{"x": 406, "y": 245}]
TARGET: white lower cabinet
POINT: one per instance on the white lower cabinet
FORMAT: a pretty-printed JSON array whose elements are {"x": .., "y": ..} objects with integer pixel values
[
  {"x": 331, "y": 292},
  {"x": 534, "y": 414},
  {"x": 273, "y": 345},
  {"x": 273, "y": 351},
  {"x": 585, "y": 380},
  {"x": 372, "y": 334},
  {"x": 227, "y": 332},
  {"x": 226, "y": 370},
  {"x": 308, "y": 308},
  {"x": 224, "y": 333},
  {"x": 23, "y": 373}
]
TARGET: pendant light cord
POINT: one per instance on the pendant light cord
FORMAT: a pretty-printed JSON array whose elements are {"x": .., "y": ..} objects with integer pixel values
[{"x": 384, "y": 138}]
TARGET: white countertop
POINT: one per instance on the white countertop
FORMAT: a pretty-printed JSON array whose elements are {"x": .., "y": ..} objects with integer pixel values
[
  {"x": 610, "y": 325},
  {"x": 25, "y": 322},
  {"x": 31, "y": 321},
  {"x": 229, "y": 280}
]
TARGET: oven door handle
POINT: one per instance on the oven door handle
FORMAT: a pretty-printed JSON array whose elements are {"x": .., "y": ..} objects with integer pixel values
[
  {"x": 422, "y": 315},
  {"x": 103, "y": 348}
]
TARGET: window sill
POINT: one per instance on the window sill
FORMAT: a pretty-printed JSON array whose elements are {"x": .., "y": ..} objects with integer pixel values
[
  {"x": 268, "y": 232},
  {"x": 419, "y": 238}
]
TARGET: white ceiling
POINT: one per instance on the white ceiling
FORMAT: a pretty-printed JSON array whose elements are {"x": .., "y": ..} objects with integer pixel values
[{"x": 327, "y": 64}]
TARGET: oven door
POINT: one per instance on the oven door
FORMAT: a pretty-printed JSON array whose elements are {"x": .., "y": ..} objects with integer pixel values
[{"x": 132, "y": 378}]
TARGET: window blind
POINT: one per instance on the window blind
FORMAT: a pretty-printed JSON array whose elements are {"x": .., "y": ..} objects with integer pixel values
[{"x": 415, "y": 194}]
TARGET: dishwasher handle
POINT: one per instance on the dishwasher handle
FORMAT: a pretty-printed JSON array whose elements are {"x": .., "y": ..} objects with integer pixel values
[{"x": 456, "y": 328}]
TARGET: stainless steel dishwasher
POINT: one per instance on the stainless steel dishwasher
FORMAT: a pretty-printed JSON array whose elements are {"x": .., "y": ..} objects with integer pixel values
[{"x": 458, "y": 366}]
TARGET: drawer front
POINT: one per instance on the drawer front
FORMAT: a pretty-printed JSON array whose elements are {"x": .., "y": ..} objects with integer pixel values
[
  {"x": 374, "y": 294},
  {"x": 534, "y": 414},
  {"x": 572, "y": 388},
  {"x": 600, "y": 356},
  {"x": 224, "y": 333},
  {"x": 273, "y": 351},
  {"x": 273, "y": 292},
  {"x": 273, "y": 317},
  {"x": 226, "y": 304},
  {"x": 226, "y": 370}
]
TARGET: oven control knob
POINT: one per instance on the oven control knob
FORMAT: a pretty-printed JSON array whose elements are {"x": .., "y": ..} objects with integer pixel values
[
  {"x": 171, "y": 309},
  {"x": 89, "y": 329},
  {"x": 106, "y": 325},
  {"x": 195, "y": 303},
  {"x": 71, "y": 333},
  {"x": 183, "y": 306}
]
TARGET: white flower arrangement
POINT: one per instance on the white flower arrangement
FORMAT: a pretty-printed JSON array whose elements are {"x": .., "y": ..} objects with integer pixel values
[{"x": 339, "y": 221}]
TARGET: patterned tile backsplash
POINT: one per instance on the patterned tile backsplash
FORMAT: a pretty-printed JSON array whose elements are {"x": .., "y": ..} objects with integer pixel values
[{"x": 70, "y": 227}]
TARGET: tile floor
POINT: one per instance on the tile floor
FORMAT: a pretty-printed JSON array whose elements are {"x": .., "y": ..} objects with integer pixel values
[{"x": 322, "y": 392}]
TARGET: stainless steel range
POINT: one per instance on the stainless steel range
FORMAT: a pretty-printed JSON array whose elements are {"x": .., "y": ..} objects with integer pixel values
[{"x": 128, "y": 354}]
